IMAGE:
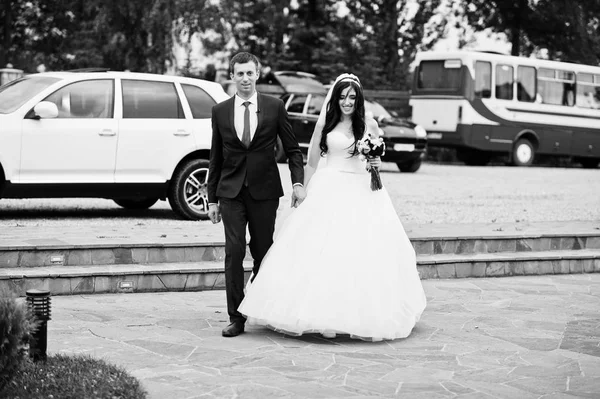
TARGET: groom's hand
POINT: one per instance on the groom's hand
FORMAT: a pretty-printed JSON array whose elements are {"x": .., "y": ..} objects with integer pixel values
[
  {"x": 298, "y": 195},
  {"x": 214, "y": 214}
]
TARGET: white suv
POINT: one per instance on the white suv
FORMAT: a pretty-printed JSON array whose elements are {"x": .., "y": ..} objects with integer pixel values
[{"x": 131, "y": 137}]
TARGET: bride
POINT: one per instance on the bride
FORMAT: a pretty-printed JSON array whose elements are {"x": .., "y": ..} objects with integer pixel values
[{"x": 341, "y": 263}]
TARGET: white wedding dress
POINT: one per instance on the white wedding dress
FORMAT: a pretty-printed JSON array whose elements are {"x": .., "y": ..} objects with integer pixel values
[{"x": 341, "y": 262}]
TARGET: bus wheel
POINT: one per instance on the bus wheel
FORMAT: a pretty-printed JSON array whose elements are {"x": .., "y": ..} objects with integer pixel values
[{"x": 523, "y": 153}]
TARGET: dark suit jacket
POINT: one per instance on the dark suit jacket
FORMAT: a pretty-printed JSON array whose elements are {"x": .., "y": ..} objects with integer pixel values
[{"x": 230, "y": 160}]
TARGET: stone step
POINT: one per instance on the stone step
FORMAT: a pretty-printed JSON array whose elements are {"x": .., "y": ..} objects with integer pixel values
[
  {"x": 43, "y": 255},
  {"x": 503, "y": 264},
  {"x": 188, "y": 276}
]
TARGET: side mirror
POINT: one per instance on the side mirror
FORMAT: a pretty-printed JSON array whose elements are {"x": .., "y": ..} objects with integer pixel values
[{"x": 46, "y": 110}]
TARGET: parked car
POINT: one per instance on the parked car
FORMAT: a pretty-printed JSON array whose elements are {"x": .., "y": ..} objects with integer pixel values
[
  {"x": 130, "y": 137},
  {"x": 405, "y": 142}
]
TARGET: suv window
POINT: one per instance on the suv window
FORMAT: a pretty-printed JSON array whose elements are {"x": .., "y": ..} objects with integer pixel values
[
  {"x": 16, "y": 93},
  {"x": 297, "y": 104},
  {"x": 147, "y": 99},
  {"x": 315, "y": 104},
  {"x": 200, "y": 102},
  {"x": 86, "y": 99}
]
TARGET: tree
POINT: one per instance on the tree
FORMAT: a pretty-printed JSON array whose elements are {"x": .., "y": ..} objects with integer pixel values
[
  {"x": 388, "y": 35},
  {"x": 567, "y": 31}
]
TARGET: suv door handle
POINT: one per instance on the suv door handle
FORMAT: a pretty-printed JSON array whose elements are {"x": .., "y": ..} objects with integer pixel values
[
  {"x": 107, "y": 132},
  {"x": 305, "y": 122},
  {"x": 181, "y": 132}
]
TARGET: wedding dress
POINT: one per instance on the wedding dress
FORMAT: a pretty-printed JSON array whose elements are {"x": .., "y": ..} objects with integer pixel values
[{"x": 341, "y": 262}]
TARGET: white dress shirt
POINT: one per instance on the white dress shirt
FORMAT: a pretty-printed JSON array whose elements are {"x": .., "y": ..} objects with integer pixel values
[{"x": 238, "y": 115}]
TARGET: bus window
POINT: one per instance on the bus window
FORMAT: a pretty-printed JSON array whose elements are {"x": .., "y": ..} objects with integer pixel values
[
  {"x": 526, "y": 84},
  {"x": 433, "y": 75},
  {"x": 556, "y": 87},
  {"x": 504, "y": 82},
  {"x": 587, "y": 92},
  {"x": 483, "y": 79}
]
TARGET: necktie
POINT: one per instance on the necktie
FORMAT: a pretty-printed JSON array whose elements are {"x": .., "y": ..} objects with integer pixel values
[{"x": 246, "y": 134}]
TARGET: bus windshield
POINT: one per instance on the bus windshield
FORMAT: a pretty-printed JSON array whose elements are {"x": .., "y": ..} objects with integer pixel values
[{"x": 439, "y": 75}]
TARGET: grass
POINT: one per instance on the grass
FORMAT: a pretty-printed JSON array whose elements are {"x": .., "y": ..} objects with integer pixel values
[{"x": 72, "y": 377}]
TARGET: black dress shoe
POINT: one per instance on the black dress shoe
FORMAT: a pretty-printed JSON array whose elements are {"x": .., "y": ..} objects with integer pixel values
[{"x": 233, "y": 330}]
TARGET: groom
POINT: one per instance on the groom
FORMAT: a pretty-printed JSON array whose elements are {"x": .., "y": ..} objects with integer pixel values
[{"x": 243, "y": 181}]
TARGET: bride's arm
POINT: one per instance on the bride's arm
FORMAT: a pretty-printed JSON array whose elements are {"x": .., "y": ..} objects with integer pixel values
[{"x": 314, "y": 154}]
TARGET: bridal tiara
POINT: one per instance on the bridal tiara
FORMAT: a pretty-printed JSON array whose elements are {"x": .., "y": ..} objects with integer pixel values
[{"x": 348, "y": 77}]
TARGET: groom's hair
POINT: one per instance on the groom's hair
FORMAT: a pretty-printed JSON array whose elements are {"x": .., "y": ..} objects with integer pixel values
[{"x": 242, "y": 58}]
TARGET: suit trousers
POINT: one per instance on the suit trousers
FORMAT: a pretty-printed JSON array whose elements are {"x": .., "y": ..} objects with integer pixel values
[{"x": 237, "y": 214}]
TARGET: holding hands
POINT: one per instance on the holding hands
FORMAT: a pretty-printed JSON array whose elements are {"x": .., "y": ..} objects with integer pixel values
[{"x": 298, "y": 195}]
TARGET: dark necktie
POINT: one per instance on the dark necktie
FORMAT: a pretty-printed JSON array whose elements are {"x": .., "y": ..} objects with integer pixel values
[{"x": 246, "y": 134}]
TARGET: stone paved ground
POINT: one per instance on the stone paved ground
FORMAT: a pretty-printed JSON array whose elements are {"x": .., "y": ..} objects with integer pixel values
[{"x": 517, "y": 337}]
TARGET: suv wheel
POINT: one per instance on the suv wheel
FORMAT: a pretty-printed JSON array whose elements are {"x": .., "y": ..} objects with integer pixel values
[
  {"x": 136, "y": 203},
  {"x": 188, "y": 194}
]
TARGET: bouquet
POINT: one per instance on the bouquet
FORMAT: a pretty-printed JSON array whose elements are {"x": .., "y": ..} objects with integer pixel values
[{"x": 370, "y": 147}]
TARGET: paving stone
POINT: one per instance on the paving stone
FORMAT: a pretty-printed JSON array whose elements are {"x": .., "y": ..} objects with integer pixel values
[
  {"x": 427, "y": 272},
  {"x": 531, "y": 267},
  {"x": 32, "y": 259},
  {"x": 524, "y": 245},
  {"x": 495, "y": 269},
  {"x": 60, "y": 286},
  {"x": 157, "y": 255},
  {"x": 194, "y": 254},
  {"x": 83, "y": 285},
  {"x": 576, "y": 266},
  {"x": 103, "y": 256},
  {"x": 592, "y": 243},
  {"x": 465, "y": 247},
  {"x": 447, "y": 270},
  {"x": 444, "y": 246},
  {"x": 562, "y": 266},
  {"x": 175, "y": 282},
  {"x": 516, "y": 268},
  {"x": 464, "y": 269},
  {"x": 9, "y": 259},
  {"x": 501, "y": 246},
  {"x": 123, "y": 256},
  {"x": 139, "y": 255},
  {"x": 423, "y": 247},
  {"x": 102, "y": 284},
  {"x": 79, "y": 257},
  {"x": 201, "y": 281}
]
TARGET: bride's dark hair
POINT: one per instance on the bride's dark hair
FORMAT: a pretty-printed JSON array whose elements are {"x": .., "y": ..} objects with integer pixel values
[{"x": 334, "y": 115}]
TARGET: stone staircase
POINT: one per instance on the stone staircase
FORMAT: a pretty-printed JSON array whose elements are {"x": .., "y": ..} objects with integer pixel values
[{"x": 186, "y": 266}]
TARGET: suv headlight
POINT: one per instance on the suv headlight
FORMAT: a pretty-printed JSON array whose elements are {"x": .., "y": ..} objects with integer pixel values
[{"x": 420, "y": 131}]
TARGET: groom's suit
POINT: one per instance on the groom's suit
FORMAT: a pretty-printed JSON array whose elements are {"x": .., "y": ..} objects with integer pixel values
[{"x": 245, "y": 182}]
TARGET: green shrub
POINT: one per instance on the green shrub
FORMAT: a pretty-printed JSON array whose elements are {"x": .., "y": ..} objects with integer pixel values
[
  {"x": 72, "y": 377},
  {"x": 15, "y": 326}
]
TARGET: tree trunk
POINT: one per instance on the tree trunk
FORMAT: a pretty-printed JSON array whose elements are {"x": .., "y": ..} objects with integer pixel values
[
  {"x": 391, "y": 15},
  {"x": 6, "y": 42},
  {"x": 519, "y": 15}
]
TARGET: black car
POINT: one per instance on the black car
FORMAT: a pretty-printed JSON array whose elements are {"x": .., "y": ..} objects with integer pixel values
[
  {"x": 405, "y": 141},
  {"x": 303, "y": 96}
]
